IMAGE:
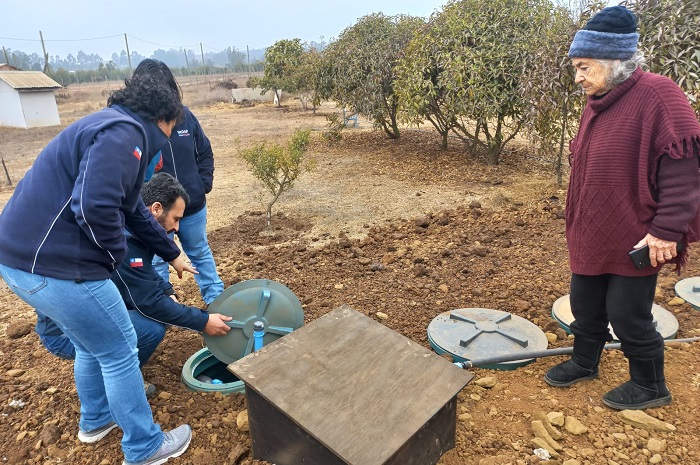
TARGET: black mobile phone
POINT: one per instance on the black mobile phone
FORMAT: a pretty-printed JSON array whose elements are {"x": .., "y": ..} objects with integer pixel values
[{"x": 640, "y": 257}]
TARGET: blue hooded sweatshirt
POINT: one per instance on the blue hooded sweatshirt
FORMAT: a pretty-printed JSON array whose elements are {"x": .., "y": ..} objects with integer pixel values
[
  {"x": 67, "y": 215},
  {"x": 188, "y": 158}
]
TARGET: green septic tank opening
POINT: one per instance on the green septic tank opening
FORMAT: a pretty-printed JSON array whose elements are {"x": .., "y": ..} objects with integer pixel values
[
  {"x": 204, "y": 365},
  {"x": 262, "y": 311}
]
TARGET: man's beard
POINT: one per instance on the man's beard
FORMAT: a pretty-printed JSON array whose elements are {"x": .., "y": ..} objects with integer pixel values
[{"x": 161, "y": 221}]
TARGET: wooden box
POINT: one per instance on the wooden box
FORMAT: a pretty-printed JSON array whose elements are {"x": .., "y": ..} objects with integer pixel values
[{"x": 347, "y": 390}]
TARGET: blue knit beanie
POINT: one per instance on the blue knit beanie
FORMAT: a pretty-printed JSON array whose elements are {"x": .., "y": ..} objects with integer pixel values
[{"x": 609, "y": 35}]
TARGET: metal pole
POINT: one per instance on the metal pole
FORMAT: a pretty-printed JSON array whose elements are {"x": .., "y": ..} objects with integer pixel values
[
  {"x": 46, "y": 55},
  {"x": 7, "y": 60},
  {"x": 547, "y": 353},
  {"x": 128, "y": 53},
  {"x": 9, "y": 181},
  {"x": 204, "y": 69},
  {"x": 187, "y": 62}
]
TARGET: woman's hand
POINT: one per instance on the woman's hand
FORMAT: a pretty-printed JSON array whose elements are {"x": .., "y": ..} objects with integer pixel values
[{"x": 660, "y": 251}]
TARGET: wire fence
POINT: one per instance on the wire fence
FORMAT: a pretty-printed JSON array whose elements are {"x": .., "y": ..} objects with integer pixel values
[{"x": 124, "y": 52}]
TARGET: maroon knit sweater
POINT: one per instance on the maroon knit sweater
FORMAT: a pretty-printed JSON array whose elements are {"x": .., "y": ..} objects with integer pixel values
[{"x": 634, "y": 170}]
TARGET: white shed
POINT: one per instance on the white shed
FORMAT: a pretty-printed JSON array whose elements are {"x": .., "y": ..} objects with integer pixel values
[{"x": 27, "y": 99}]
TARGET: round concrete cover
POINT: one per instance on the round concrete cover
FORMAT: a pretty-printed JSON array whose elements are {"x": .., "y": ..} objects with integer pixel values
[
  {"x": 689, "y": 290},
  {"x": 666, "y": 324},
  {"x": 474, "y": 333},
  {"x": 247, "y": 302}
]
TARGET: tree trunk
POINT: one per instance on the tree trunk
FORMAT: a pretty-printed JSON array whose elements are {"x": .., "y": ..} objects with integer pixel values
[
  {"x": 493, "y": 155},
  {"x": 268, "y": 215},
  {"x": 279, "y": 98},
  {"x": 560, "y": 158},
  {"x": 393, "y": 131}
]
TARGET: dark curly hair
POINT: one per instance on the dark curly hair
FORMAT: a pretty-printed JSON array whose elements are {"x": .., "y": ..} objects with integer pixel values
[
  {"x": 157, "y": 70},
  {"x": 151, "y": 98},
  {"x": 165, "y": 189}
]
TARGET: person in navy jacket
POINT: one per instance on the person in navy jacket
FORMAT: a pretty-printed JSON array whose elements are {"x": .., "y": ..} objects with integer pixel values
[
  {"x": 61, "y": 237},
  {"x": 151, "y": 301},
  {"x": 189, "y": 158}
]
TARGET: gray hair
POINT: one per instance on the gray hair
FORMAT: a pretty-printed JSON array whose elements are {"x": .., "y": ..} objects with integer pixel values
[{"x": 621, "y": 70}]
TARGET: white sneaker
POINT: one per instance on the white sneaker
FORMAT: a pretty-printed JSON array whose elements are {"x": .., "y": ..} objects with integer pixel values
[
  {"x": 174, "y": 444},
  {"x": 96, "y": 434}
]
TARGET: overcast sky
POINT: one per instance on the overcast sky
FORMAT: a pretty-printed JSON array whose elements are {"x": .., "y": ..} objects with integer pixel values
[{"x": 151, "y": 24}]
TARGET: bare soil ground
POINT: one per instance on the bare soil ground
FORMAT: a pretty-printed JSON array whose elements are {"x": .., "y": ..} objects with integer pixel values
[{"x": 399, "y": 227}]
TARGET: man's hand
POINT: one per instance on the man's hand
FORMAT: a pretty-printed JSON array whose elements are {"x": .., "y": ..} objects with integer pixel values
[
  {"x": 660, "y": 251},
  {"x": 216, "y": 326},
  {"x": 181, "y": 265}
]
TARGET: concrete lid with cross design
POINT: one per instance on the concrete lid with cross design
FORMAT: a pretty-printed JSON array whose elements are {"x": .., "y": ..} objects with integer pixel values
[
  {"x": 474, "y": 333},
  {"x": 666, "y": 324}
]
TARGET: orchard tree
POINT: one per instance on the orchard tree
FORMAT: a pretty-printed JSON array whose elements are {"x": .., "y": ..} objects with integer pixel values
[
  {"x": 283, "y": 61},
  {"x": 669, "y": 39},
  {"x": 463, "y": 71},
  {"x": 308, "y": 78},
  {"x": 420, "y": 87},
  {"x": 555, "y": 100},
  {"x": 360, "y": 67}
]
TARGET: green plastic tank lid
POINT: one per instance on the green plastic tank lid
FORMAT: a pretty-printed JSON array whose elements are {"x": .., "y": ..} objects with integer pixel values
[{"x": 248, "y": 302}]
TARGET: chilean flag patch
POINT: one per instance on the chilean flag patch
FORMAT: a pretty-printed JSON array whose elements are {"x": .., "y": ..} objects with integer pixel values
[
  {"x": 135, "y": 262},
  {"x": 137, "y": 153}
]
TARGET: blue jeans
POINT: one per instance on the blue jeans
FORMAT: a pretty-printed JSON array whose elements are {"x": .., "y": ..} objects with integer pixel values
[
  {"x": 110, "y": 386},
  {"x": 193, "y": 238},
  {"x": 149, "y": 333}
]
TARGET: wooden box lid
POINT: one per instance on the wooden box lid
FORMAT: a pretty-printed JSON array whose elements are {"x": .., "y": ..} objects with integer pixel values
[{"x": 358, "y": 387}]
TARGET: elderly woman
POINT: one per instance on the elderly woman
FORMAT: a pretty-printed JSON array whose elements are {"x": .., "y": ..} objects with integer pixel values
[{"x": 634, "y": 183}]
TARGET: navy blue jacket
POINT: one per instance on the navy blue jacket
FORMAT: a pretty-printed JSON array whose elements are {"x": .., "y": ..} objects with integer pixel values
[
  {"x": 144, "y": 290},
  {"x": 189, "y": 159},
  {"x": 67, "y": 215}
]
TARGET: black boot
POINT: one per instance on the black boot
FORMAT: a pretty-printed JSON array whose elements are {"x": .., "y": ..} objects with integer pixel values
[
  {"x": 583, "y": 364},
  {"x": 646, "y": 388}
]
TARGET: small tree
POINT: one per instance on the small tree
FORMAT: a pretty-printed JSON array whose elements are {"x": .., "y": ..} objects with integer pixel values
[{"x": 278, "y": 167}]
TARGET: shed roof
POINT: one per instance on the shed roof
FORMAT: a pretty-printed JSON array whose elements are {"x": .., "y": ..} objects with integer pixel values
[{"x": 28, "y": 80}]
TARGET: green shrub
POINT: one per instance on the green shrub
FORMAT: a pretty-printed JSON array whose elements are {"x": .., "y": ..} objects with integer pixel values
[
  {"x": 278, "y": 167},
  {"x": 335, "y": 125}
]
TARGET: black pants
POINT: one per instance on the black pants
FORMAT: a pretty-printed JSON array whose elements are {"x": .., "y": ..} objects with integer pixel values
[{"x": 623, "y": 301}]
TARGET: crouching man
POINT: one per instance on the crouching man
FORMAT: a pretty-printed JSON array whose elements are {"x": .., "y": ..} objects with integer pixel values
[{"x": 151, "y": 301}]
